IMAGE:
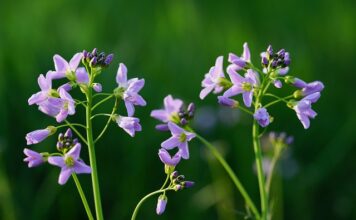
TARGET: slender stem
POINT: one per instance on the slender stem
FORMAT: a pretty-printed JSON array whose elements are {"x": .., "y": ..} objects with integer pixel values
[
  {"x": 102, "y": 94},
  {"x": 102, "y": 101},
  {"x": 108, "y": 122},
  {"x": 92, "y": 157},
  {"x": 76, "y": 131},
  {"x": 134, "y": 214},
  {"x": 165, "y": 182},
  {"x": 271, "y": 174},
  {"x": 232, "y": 175},
  {"x": 245, "y": 109},
  {"x": 80, "y": 103},
  {"x": 82, "y": 196},
  {"x": 100, "y": 114}
]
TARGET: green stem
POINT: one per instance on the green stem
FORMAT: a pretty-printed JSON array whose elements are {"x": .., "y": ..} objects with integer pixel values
[
  {"x": 82, "y": 196},
  {"x": 260, "y": 175},
  {"x": 92, "y": 157},
  {"x": 134, "y": 214},
  {"x": 245, "y": 110},
  {"x": 102, "y": 101},
  {"x": 108, "y": 122},
  {"x": 165, "y": 182},
  {"x": 100, "y": 114},
  {"x": 232, "y": 175}
]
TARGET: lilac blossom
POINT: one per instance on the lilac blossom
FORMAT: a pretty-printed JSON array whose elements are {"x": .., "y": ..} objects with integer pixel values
[
  {"x": 167, "y": 159},
  {"x": 238, "y": 63},
  {"x": 170, "y": 111},
  {"x": 212, "y": 79},
  {"x": 129, "y": 124},
  {"x": 69, "y": 163},
  {"x": 277, "y": 83},
  {"x": 65, "y": 68},
  {"x": 227, "y": 102},
  {"x": 97, "y": 87},
  {"x": 242, "y": 85},
  {"x": 129, "y": 89},
  {"x": 68, "y": 106},
  {"x": 179, "y": 139},
  {"x": 304, "y": 110},
  {"x": 262, "y": 117},
  {"x": 33, "y": 158},
  {"x": 37, "y": 136},
  {"x": 45, "y": 84},
  {"x": 307, "y": 88},
  {"x": 161, "y": 204}
]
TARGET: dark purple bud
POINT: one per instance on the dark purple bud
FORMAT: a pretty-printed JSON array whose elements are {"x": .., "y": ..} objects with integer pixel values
[
  {"x": 188, "y": 184},
  {"x": 281, "y": 53},
  {"x": 264, "y": 61},
  {"x": 68, "y": 133},
  {"x": 274, "y": 64},
  {"x": 178, "y": 187},
  {"x": 109, "y": 59},
  {"x": 289, "y": 140},
  {"x": 85, "y": 53},
  {"x": 270, "y": 50},
  {"x": 59, "y": 146},
  {"x": 174, "y": 175},
  {"x": 180, "y": 178},
  {"x": 183, "y": 121},
  {"x": 162, "y": 127},
  {"x": 191, "y": 107},
  {"x": 60, "y": 137},
  {"x": 94, "y": 52},
  {"x": 93, "y": 61}
]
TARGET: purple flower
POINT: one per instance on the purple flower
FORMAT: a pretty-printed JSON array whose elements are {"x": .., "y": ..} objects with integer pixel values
[
  {"x": 262, "y": 117},
  {"x": 170, "y": 111},
  {"x": 63, "y": 68},
  {"x": 227, "y": 102},
  {"x": 167, "y": 159},
  {"x": 161, "y": 204},
  {"x": 238, "y": 63},
  {"x": 45, "y": 84},
  {"x": 179, "y": 139},
  {"x": 212, "y": 79},
  {"x": 37, "y": 136},
  {"x": 129, "y": 124},
  {"x": 33, "y": 158},
  {"x": 128, "y": 90},
  {"x": 242, "y": 85},
  {"x": 81, "y": 76},
  {"x": 97, "y": 87},
  {"x": 68, "y": 106},
  {"x": 312, "y": 87},
  {"x": 69, "y": 163},
  {"x": 304, "y": 110}
]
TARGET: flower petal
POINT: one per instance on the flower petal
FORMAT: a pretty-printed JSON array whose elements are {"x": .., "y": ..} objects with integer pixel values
[
  {"x": 175, "y": 129},
  {"x": 121, "y": 76},
  {"x": 64, "y": 175},
  {"x": 60, "y": 64},
  {"x": 184, "y": 150},
  {"x": 130, "y": 108},
  {"x": 74, "y": 152},
  {"x": 74, "y": 62},
  {"x": 81, "y": 167},
  {"x": 56, "y": 161},
  {"x": 170, "y": 143}
]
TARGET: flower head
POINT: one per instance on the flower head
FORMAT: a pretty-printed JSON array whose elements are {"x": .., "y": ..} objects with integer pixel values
[
  {"x": 33, "y": 158},
  {"x": 45, "y": 84},
  {"x": 128, "y": 90},
  {"x": 304, "y": 110},
  {"x": 65, "y": 68},
  {"x": 262, "y": 117},
  {"x": 38, "y": 136},
  {"x": 179, "y": 139},
  {"x": 238, "y": 63},
  {"x": 212, "y": 80},
  {"x": 129, "y": 124},
  {"x": 161, "y": 204},
  {"x": 69, "y": 163},
  {"x": 167, "y": 159},
  {"x": 170, "y": 111},
  {"x": 242, "y": 85},
  {"x": 95, "y": 59}
]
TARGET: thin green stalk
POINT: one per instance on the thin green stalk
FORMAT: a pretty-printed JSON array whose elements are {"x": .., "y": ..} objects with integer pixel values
[
  {"x": 134, "y": 214},
  {"x": 102, "y": 101},
  {"x": 92, "y": 157},
  {"x": 108, "y": 122},
  {"x": 232, "y": 175},
  {"x": 245, "y": 109},
  {"x": 271, "y": 174},
  {"x": 165, "y": 182},
  {"x": 82, "y": 196}
]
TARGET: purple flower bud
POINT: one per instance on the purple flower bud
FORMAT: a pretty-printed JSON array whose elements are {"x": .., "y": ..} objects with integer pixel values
[
  {"x": 94, "y": 52},
  {"x": 33, "y": 158},
  {"x": 191, "y": 107},
  {"x": 93, "y": 61},
  {"x": 270, "y": 50},
  {"x": 129, "y": 124},
  {"x": 37, "y": 136},
  {"x": 274, "y": 63},
  {"x": 174, "y": 175},
  {"x": 281, "y": 52},
  {"x": 59, "y": 145},
  {"x": 277, "y": 84},
  {"x": 289, "y": 140},
  {"x": 183, "y": 121},
  {"x": 178, "y": 187},
  {"x": 299, "y": 83},
  {"x": 286, "y": 59},
  {"x": 262, "y": 117},
  {"x": 97, "y": 87},
  {"x": 222, "y": 100},
  {"x": 188, "y": 184},
  {"x": 109, "y": 59},
  {"x": 313, "y": 87},
  {"x": 85, "y": 53},
  {"x": 161, "y": 204},
  {"x": 264, "y": 61},
  {"x": 162, "y": 127},
  {"x": 68, "y": 133}
]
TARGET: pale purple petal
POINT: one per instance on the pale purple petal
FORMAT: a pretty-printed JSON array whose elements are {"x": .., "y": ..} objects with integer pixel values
[
  {"x": 136, "y": 85},
  {"x": 64, "y": 175},
  {"x": 37, "y": 98},
  {"x": 97, "y": 87},
  {"x": 81, "y": 75},
  {"x": 160, "y": 115},
  {"x": 161, "y": 206},
  {"x": 74, "y": 152},
  {"x": 247, "y": 97},
  {"x": 235, "y": 77},
  {"x": 283, "y": 71},
  {"x": 313, "y": 97},
  {"x": 60, "y": 64},
  {"x": 218, "y": 68},
  {"x": 175, "y": 129},
  {"x": 130, "y": 108},
  {"x": 246, "y": 54},
  {"x": 62, "y": 115},
  {"x": 170, "y": 143},
  {"x": 167, "y": 159},
  {"x": 74, "y": 62},
  {"x": 189, "y": 135},
  {"x": 183, "y": 150},
  {"x": 80, "y": 167},
  {"x": 299, "y": 83},
  {"x": 56, "y": 161},
  {"x": 37, "y": 136},
  {"x": 204, "y": 92},
  {"x": 121, "y": 76},
  {"x": 44, "y": 83},
  {"x": 67, "y": 87},
  {"x": 234, "y": 90}
]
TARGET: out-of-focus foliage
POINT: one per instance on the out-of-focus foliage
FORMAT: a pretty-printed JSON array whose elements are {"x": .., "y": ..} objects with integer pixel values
[{"x": 172, "y": 44}]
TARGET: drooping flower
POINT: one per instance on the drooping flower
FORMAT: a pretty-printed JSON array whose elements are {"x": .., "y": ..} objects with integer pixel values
[
  {"x": 65, "y": 68},
  {"x": 161, "y": 204},
  {"x": 242, "y": 85},
  {"x": 170, "y": 111},
  {"x": 33, "y": 158},
  {"x": 225, "y": 101},
  {"x": 262, "y": 117},
  {"x": 129, "y": 124},
  {"x": 212, "y": 80},
  {"x": 69, "y": 163},
  {"x": 312, "y": 87},
  {"x": 128, "y": 90},
  {"x": 167, "y": 159},
  {"x": 238, "y": 63},
  {"x": 179, "y": 139},
  {"x": 38, "y": 136},
  {"x": 304, "y": 110}
]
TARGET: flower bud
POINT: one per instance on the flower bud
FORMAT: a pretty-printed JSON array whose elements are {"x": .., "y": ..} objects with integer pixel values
[
  {"x": 161, "y": 204},
  {"x": 97, "y": 87},
  {"x": 162, "y": 127},
  {"x": 188, "y": 184}
]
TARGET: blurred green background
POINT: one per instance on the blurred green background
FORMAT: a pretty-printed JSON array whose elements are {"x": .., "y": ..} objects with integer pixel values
[{"x": 172, "y": 44}]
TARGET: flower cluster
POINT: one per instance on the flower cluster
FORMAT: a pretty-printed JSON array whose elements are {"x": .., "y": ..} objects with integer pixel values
[
  {"x": 67, "y": 158},
  {"x": 253, "y": 85}
]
